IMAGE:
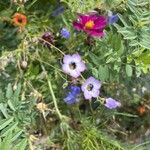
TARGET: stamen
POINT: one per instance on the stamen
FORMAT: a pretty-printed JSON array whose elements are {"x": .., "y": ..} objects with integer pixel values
[{"x": 89, "y": 24}]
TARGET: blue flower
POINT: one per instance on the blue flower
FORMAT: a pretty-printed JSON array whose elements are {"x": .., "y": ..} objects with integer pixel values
[
  {"x": 75, "y": 90},
  {"x": 59, "y": 10},
  {"x": 72, "y": 95},
  {"x": 65, "y": 33},
  {"x": 113, "y": 19}
]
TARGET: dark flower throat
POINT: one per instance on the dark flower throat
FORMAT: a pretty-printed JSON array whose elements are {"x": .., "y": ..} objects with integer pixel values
[
  {"x": 90, "y": 87},
  {"x": 72, "y": 65}
]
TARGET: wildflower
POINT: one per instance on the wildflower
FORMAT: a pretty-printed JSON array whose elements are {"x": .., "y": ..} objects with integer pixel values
[
  {"x": 91, "y": 88},
  {"x": 72, "y": 95},
  {"x": 141, "y": 110},
  {"x": 73, "y": 65},
  {"x": 112, "y": 18},
  {"x": 92, "y": 24},
  {"x": 111, "y": 103},
  {"x": 65, "y": 33},
  {"x": 48, "y": 39},
  {"x": 19, "y": 20},
  {"x": 59, "y": 10},
  {"x": 75, "y": 90}
]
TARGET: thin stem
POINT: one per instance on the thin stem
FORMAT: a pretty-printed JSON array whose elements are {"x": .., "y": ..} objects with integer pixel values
[
  {"x": 52, "y": 46},
  {"x": 91, "y": 108},
  {"x": 52, "y": 94}
]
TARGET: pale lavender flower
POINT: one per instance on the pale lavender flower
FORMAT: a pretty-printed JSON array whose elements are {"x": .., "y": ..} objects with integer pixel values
[
  {"x": 111, "y": 103},
  {"x": 91, "y": 88},
  {"x": 73, "y": 65}
]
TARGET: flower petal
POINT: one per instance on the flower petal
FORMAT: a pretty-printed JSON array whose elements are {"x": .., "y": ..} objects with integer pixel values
[
  {"x": 100, "y": 22},
  {"x": 65, "y": 68},
  {"x": 74, "y": 73},
  {"x": 67, "y": 59},
  {"x": 76, "y": 57},
  {"x": 87, "y": 95},
  {"x": 81, "y": 66},
  {"x": 78, "y": 26},
  {"x": 84, "y": 18},
  {"x": 95, "y": 93},
  {"x": 96, "y": 33}
]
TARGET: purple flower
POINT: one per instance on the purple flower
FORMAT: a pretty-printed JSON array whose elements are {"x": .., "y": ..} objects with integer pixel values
[
  {"x": 91, "y": 88},
  {"x": 47, "y": 37},
  {"x": 92, "y": 24},
  {"x": 112, "y": 18},
  {"x": 73, "y": 65},
  {"x": 75, "y": 90},
  {"x": 65, "y": 33},
  {"x": 59, "y": 10},
  {"x": 111, "y": 103},
  {"x": 72, "y": 95}
]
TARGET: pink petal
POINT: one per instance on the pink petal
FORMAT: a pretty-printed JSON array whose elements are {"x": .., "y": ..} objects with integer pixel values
[
  {"x": 84, "y": 18},
  {"x": 100, "y": 22},
  {"x": 95, "y": 33},
  {"x": 78, "y": 26}
]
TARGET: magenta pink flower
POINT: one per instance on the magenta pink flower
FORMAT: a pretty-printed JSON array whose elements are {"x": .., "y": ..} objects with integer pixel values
[{"x": 93, "y": 25}]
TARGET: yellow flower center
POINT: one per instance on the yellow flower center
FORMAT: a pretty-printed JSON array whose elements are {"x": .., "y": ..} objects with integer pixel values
[{"x": 89, "y": 24}]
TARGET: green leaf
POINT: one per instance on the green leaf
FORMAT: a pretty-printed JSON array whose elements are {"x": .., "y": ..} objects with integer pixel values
[
  {"x": 94, "y": 58},
  {"x": 95, "y": 72},
  {"x": 16, "y": 135},
  {"x": 5, "y": 122},
  {"x": 103, "y": 73},
  {"x": 9, "y": 91},
  {"x": 11, "y": 105},
  {"x": 5, "y": 145},
  {"x": 129, "y": 70},
  {"x": 127, "y": 32},
  {"x": 17, "y": 91},
  {"x": 9, "y": 128},
  {"x": 22, "y": 145},
  {"x": 3, "y": 109}
]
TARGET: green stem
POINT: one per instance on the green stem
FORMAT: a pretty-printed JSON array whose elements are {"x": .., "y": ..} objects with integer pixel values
[
  {"x": 54, "y": 98},
  {"x": 52, "y": 46}
]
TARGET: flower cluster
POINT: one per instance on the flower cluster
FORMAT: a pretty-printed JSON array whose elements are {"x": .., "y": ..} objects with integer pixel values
[{"x": 74, "y": 66}]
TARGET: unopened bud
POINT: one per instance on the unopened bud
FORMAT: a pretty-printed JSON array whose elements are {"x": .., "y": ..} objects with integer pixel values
[{"x": 24, "y": 64}]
